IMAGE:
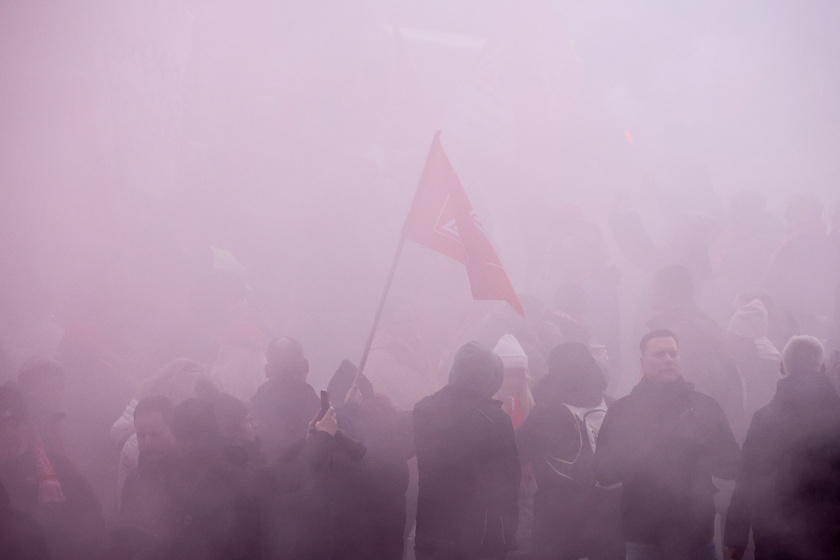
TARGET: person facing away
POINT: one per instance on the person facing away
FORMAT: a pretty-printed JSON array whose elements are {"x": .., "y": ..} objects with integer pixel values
[
  {"x": 285, "y": 403},
  {"x": 467, "y": 464},
  {"x": 788, "y": 485},
  {"x": 573, "y": 518},
  {"x": 663, "y": 443}
]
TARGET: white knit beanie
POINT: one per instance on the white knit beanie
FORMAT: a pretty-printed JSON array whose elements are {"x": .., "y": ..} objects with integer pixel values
[
  {"x": 511, "y": 353},
  {"x": 750, "y": 320}
]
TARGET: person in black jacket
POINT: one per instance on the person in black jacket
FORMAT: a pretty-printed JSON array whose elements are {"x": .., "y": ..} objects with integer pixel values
[
  {"x": 368, "y": 492},
  {"x": 468, "y": 465},
  {"x": 21, "y": 537},
  {"x": 46, "y": 485},
  {"x": 573, "y": 518},
  {"x": 285, "y": 403},
  {"x": 788, "y": 486},
  {"x": 663, "y": 443}
]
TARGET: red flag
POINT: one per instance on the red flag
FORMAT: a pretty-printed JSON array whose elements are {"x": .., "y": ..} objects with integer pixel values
[{"x": 442, "y": 219}]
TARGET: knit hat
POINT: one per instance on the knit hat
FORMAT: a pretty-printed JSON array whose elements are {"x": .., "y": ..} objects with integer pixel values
[
  {"x": 511, "y": 353},
  {"x": 750, "y": 320}
]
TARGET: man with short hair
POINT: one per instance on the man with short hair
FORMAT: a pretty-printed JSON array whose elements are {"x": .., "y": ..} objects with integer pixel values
[
  {"x": 787, "y": 489},
  {"x": 663, "y": 443}
]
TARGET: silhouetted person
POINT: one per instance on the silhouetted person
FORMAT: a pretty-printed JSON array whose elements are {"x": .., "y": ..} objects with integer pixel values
[
  {"x": 218, "y": 513},
  {"x": 663, "y": 443},
  {"x": 369, "y": 493},
  {"x": 41, "y": 381},
  {"x": 299, "y": 454},
  {"x": 21, "y": 538},
  {"x": 46, "y": 486},
  {"x": 238, "y": 424},
  {"x": 572, "y": 517},
  {"x": 468, "y": 465},
  {"x": 178, "y": 380},
  {"x": 148, "y": 508},
  {"x": 788, "y": 486},
  {"x": 285, "y": 403}
]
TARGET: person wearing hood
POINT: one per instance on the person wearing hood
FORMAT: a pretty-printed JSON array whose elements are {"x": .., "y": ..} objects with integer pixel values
[
  {"x": 664, "y": 442},
  {"x": 468, "y": 464},
  {"x": 573, "y": 518},
  {"x": 788, "y": 490}
]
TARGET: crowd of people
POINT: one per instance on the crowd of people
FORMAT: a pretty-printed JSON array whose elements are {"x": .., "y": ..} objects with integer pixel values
[{"x": 728, "y": 442}]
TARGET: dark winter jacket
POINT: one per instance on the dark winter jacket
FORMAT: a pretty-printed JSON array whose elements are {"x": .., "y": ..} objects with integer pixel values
[
  {"x": 282, "y": 409},
  {"x": 788, "y": 487},
  {"x": 705, "y": 358},
  {"x": 664, "y": 442},
  {"x": 369, "y": 493},
  {"x": 74, "y": 528},
  {"x": 217, "y": 510},
  {"x": 21, "y": 538},
  {"x": 468, "y": 475},
  {"x": 572, "y": 517}
]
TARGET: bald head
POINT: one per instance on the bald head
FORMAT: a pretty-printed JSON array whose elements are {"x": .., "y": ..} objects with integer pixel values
[
  {"x": 803, "y": 354},
  {"x": 284, "y": 359}
]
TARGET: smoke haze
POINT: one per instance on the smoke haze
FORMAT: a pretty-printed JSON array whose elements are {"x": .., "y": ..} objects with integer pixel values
[{"x": 169, "y": 167}]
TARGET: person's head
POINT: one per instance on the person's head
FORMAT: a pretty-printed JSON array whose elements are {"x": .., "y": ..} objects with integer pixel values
[
  {"x": 477, "y": 370},
  {"x": 14, "y": 423},
  {"x": 660, "y": 359},
  {"x": 194, "y": 423},
  {"x": 153, "y": 424},
  {"x": 235, "y": 419},
  {"x": 802, "y": 354},
  {"x": 574, "y": 377},
  {"x": 41, "y": 380},
  {"x": 179, "y": 380},
  {"x": 284, "y": 359}
]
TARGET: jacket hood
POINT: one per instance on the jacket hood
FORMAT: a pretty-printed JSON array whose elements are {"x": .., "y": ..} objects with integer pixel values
[
  {"x": 476, "y": 370},
  {"x": 574, "y": 377}
]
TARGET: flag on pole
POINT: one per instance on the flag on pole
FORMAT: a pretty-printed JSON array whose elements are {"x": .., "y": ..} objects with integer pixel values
[{"x": 441, "y": 218}]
